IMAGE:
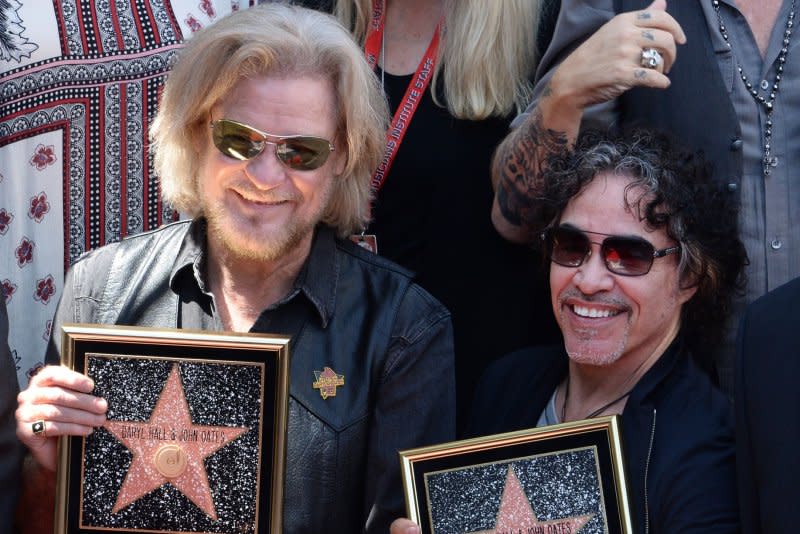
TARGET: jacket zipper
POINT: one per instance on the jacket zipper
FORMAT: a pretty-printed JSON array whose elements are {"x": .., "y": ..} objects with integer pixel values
[{"x": 646, "y": 470}]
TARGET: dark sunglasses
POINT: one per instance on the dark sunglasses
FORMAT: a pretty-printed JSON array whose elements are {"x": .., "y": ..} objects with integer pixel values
[
  {"x": 624, "y": 255},
  {"x": 243, "y": 142}
]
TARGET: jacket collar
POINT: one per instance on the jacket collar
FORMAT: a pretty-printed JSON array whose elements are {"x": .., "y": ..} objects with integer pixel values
[
  {"x": 317, "y": 281},
  {"x": 659, "y": 371}
]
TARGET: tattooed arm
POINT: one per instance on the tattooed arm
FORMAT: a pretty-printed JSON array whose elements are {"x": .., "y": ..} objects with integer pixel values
[
  {"x": 599, "y": 70},
  {"x": 517, "y": 172}
]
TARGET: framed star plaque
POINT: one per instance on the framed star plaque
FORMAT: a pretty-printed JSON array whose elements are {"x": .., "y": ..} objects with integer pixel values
[
  {"x": 195, "y": 435},
  {"x": 560, "y": 479}
]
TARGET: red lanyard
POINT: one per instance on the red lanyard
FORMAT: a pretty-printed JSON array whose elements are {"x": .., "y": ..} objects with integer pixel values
[{"x": 408, "y": 106}]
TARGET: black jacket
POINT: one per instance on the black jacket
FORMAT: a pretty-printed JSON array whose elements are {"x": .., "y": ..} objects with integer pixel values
[
  {"x": 10, "y": 447},
  {"x": 351, "y": 311},
  {"x": 677, "y": 434},
  {"x": 768, "y": 411}
]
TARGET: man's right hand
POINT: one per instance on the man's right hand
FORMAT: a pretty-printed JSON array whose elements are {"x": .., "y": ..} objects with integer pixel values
[
  {"x": 609, "y": 62},
  {"x": 62, "y": 399}
]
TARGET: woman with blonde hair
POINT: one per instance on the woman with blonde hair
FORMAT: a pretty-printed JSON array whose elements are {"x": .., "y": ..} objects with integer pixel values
[{"x": 455, "y": 73}]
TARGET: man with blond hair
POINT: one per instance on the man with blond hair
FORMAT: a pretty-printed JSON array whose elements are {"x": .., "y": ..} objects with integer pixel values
[{"x": 269, "y": 127}]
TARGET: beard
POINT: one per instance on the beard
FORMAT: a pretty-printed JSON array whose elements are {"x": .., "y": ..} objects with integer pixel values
[
  {"x": 252, "y": 245},
  {"x": 584, "y": 349},
  {"x": 593, "y": 346},
  {"x": 244, "y": 238}
]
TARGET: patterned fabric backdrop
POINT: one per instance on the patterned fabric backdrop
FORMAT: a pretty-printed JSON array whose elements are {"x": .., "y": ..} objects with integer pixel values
[{"x": 79, "y": 86}]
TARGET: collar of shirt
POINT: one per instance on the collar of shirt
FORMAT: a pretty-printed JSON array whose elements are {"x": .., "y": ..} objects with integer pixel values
[{"x": 317, "y": 281}]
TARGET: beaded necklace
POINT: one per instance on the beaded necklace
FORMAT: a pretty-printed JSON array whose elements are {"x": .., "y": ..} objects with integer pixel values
[{"x": 768, "y": 101}]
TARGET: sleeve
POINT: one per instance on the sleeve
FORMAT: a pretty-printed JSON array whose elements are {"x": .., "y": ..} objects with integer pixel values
[
  {"x": 10, "y": 448},
  {"x": 78, "y": 303},
  {"x": 64, "y": 314},
  {"x": 577, "y": 20},
  {"x": 415, "y": 403}
]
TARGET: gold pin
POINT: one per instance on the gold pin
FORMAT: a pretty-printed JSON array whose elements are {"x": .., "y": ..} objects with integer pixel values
[{"x": 327, "y": 381}]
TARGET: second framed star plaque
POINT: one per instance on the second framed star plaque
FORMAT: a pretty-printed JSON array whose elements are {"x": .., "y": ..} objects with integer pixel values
[
  {"x": 560, "y": 479},
  {"x": 195, "y": 436}
]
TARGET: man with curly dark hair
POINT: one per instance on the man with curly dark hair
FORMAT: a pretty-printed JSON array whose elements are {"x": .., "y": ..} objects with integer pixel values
[
  {"x": 668, "y": 189},
  {"x": 644, "y": 260}
]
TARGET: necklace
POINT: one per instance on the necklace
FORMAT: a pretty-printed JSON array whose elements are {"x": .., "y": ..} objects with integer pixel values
[
  {"x": 768, "y": 101},
  {"x": 595, "y": 412}
]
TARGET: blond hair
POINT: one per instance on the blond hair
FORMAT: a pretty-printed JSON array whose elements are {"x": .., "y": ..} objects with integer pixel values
[
  {"x": 487, "y": 56},
  {"x": 281, "y": 40}
]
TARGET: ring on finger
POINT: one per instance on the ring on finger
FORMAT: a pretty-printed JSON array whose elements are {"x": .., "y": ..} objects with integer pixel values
[
  {"x": 38, "y": 428},
  {"x": 651, "y": 58}
]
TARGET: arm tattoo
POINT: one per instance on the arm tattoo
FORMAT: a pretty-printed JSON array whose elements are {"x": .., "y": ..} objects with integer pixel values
[
  {"x": 640, "y": 74},
  {"x": 519, "y": 162},
  {"x": 644, "y": 15},
  {"x": 648, "y": 35}
]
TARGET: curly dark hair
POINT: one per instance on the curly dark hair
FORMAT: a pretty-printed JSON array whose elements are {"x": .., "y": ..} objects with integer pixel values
[{"x": 674, "y": 190}]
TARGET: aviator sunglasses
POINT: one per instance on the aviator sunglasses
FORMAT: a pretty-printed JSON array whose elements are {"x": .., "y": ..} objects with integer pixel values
[
  {"x": 624, "y": 255},
  {"x": 243, "y": 142}
]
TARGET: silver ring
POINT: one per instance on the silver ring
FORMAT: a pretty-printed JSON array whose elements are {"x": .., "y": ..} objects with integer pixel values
[
  {"x": 651, "y": 58},
  {"x": 38, "y": 429}
]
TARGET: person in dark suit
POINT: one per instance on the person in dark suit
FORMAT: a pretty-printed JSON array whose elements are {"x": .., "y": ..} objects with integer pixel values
[
  {"x": 768, "y": 410},
  {"x": 10, "y": 447}
]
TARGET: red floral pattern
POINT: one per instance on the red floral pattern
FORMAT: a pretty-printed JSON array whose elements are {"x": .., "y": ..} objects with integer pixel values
[
  {"x": 43, "y": 157},
  {"x": 193, "y": 24},
  {"x": 7, "y": 289},
  {"x": 208, "y": 8},
  {"x": 33, "y": 371},
  {"x": 39, "y": 207},
  {"x": 45, "y": 289},
  {"x": 24, "y": 252},
  {"x": 5, "y": 220}
]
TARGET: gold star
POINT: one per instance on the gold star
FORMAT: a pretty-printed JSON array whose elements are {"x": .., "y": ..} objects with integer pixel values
[
  {"x": 169, "y": 448},
  {"x": 516, "y": 514}
]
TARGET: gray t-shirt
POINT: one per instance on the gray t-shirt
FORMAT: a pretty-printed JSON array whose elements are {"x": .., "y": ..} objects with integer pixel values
[{"x": 549, "y": 415}]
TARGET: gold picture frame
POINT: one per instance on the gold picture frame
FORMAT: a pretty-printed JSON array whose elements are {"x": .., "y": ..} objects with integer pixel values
[
  {"x": 195, "y": 432},
  {"x": 562, "y": 478}
]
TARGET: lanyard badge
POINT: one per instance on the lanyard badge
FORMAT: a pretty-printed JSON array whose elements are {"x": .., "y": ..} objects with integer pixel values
[{"x": 405, "y": 111}]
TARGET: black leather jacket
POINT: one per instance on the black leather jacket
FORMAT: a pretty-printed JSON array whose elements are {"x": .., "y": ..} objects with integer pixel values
[{"x": 349, "y": 310}]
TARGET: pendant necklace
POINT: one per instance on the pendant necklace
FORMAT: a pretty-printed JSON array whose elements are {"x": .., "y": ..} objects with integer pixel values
[
  {"x": 596, "y": 412},
  {"x": 767, "y": 100}
]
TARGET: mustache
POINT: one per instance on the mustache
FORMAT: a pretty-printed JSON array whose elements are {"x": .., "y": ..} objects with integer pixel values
[
  {"x": 247, "y": 191},
  {"x": 608, "y": 300}
]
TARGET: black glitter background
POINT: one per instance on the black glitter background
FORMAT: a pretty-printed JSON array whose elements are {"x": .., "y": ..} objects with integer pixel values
[
  {"x": 218, "y": 394},
  {"x": 558, "y": 485}
]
